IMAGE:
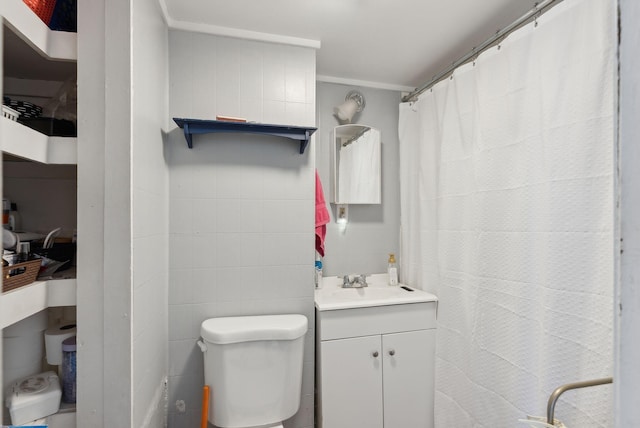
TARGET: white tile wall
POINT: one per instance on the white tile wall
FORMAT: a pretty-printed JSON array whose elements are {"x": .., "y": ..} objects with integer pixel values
[
  {"x": 241, "y": 206},
  {"x": 150, "y": 216}
]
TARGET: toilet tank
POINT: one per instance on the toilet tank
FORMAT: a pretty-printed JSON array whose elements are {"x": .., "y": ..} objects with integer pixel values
[{"x": 253, "y": 366}]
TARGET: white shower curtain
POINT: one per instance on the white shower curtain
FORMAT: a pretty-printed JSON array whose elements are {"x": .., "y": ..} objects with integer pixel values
[{"x": 507, "y": 215}]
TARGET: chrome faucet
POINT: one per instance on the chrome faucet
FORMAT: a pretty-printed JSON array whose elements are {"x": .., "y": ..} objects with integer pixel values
[{"x": 357, "y": 281}]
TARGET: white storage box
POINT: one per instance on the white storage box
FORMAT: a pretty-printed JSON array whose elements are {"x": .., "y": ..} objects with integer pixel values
[{"x": 34, "y": 397}]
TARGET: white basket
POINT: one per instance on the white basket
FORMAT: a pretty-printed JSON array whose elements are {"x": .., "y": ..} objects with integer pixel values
[{"x": 10, "y": 113}]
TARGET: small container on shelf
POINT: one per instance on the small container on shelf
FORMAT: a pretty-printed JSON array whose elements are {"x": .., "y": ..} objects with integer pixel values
[
  {"x": 69, "y": 370},
  {"x": 34, "y": 397},
  {"x": 10, "y": 113},
  {"x": 6, "y": 209},
  {"x": 20, "y": 274}
]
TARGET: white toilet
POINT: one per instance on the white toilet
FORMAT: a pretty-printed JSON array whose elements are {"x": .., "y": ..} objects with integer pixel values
[{"x": 253, "y": 366}]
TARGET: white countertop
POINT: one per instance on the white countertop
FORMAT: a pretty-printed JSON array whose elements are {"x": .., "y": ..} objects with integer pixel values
[{"x": 378, "y": 293}]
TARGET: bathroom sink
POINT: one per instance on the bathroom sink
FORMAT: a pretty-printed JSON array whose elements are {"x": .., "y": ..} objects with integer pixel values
[
  {"x": 332, "y": 296},
  {"x": 371, "y": 293}
]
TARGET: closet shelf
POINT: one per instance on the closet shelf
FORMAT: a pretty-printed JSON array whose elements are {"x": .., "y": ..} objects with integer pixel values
[
  {"x": 24, "y": 142},
  {"x": 198, "y": 126},
  {"x": 55, "y": 45},
  {"x": 25, "y": 301}
]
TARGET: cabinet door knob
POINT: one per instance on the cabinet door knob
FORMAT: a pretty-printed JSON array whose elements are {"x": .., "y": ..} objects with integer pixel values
[
  {"x": 392, "y": 352},
  {"x": 375, "y": 354}
]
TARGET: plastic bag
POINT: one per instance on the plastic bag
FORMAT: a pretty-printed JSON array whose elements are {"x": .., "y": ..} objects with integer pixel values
[{"x": 64, "y": 104}]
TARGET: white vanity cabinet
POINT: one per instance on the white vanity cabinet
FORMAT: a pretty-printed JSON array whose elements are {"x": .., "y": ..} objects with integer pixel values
[
  {"x": 408, "y": 371},
  {"x": 375, "y": 366},
  {"x": 351, "y": 383}
]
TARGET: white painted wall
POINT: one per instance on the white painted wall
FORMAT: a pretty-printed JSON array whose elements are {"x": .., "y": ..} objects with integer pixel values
[
  {"x": 241, "y": 206},
  {"x": 118, "y": 260},
  {"x": 373, "y": 230},
  {"x": 150, "y": 214},
  {"x": 122, "y": 214},
  {"x": 627, "y": 307},
  {"x": 91, "y": 313}
]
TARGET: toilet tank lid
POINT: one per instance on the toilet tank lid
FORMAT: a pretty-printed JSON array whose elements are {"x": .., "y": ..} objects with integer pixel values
[{"x": 251, "y": 328}]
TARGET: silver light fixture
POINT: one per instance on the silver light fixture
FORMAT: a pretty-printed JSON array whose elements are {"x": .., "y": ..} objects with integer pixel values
[{"x": 353, "y": 103}]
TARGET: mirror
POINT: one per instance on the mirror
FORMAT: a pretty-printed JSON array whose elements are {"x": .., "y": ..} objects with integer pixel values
[{"x": 356, "y": 165}]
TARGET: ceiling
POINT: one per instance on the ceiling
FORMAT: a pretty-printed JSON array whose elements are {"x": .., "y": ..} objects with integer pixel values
[{"x": 397, "y": 44}]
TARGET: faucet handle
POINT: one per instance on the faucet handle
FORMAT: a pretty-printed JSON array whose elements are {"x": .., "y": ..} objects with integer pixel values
[
  {"x": 362, "y": 280},
  {"x": 346, "y": 281}
]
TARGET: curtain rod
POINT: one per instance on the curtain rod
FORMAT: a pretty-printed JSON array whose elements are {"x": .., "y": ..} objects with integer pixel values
[{"x": 538, "y": 9}]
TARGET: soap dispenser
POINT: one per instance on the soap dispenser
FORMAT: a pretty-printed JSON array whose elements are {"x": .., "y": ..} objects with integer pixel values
[{"x": 392, "y": 270}]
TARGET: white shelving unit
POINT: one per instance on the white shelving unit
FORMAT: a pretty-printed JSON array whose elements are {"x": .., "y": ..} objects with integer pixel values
[
  {"x": 37, "y": 53},
  {"x": 55, "y": 45},
  {"x": 25, "y": 301},
  {"x": 28, "y": 144}
]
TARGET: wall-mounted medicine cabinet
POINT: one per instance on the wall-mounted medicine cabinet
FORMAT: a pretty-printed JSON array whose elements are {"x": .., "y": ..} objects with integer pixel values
[{"x": 356, "y": 164}]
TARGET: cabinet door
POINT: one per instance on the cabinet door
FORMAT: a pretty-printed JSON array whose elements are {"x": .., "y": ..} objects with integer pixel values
[
  {"x": 351, "y": 383},
  {"x": 409, "y": 362}
]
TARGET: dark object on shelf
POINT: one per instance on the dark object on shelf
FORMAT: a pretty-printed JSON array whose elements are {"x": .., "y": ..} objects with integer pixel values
[
  {"x": 60, "y": 252},
  {"x": 64, "y": 17},
  {"x": 59, "y": 15},
  {"x": 25, "y": 108},
  {"x": 50, "y": 126},
  {"x": 198, "y": 126}
]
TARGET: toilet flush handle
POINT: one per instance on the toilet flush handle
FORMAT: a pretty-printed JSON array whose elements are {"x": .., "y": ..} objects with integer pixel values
[{"x": 202, "y": 345}]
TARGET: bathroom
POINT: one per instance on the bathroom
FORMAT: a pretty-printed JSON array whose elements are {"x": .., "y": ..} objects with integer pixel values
[{"x": 223, "y": 229}]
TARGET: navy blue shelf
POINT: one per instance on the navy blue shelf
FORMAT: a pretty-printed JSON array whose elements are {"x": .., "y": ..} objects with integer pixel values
[{"x": 199, "y": 126}]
